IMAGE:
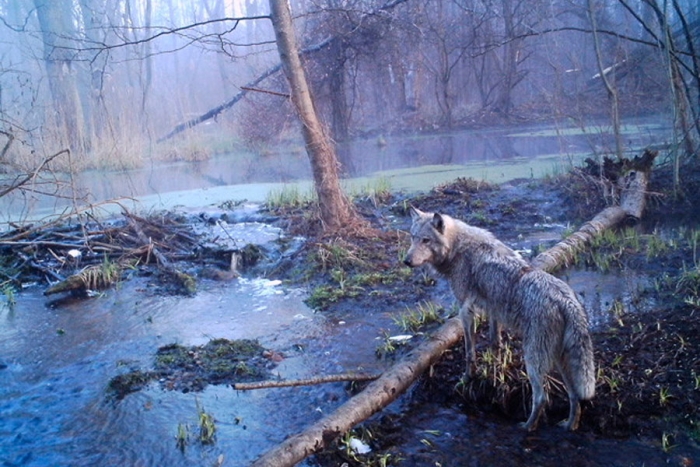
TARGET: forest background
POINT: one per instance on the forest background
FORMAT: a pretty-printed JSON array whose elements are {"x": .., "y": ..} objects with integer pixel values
[{"x": 116, "y": 84}]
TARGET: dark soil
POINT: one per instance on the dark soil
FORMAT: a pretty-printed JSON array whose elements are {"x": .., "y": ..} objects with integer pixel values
[{"x": 648, "y": 387}]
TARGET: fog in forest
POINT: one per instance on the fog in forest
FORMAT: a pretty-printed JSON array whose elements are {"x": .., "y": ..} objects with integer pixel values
[{"x": 122, "y": 84}]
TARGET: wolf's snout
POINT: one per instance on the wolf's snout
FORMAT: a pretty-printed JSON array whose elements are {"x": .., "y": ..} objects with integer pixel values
[{"x": 407, "y": 262}]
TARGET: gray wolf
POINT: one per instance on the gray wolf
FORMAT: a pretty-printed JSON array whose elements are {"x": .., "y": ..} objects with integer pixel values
[{"x": 488, "y": 277}]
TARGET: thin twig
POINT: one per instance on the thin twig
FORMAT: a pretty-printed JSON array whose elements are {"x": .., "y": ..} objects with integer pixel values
[
  {"x": 306, "y": 382},
  {"x": 31, "y": 175},
  {"x": 265, "y": 91}
]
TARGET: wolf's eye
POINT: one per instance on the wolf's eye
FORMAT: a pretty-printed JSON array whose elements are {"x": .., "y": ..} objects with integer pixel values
[{"x": 425, "y": 240}]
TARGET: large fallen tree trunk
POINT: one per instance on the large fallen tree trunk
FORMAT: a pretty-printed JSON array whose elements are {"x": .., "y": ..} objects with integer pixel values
[
  {"x": 630, "y": 188},
  {"x": 381, "y": 392},
  {"x": 375, "y": 397}
]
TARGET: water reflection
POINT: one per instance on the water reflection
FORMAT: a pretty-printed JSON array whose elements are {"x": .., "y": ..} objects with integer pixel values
[{"x": 521, "y": 152}]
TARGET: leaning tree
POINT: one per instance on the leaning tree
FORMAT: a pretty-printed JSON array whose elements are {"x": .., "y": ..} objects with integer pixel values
[{"x": 335, "y": 208}]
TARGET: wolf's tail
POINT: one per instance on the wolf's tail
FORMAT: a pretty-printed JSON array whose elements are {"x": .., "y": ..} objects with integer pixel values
[{"x": 578, "y": 359}]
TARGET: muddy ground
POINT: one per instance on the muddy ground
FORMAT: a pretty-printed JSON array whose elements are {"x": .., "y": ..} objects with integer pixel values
[{"x": 648, "y": 389}]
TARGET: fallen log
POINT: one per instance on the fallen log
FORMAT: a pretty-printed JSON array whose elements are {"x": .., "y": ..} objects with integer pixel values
[
  {"x": 377, "y": 395},
  {"x": 397, "y": 379},
  {"x": 95, "y": 277},
  {"x": 631, "y": 191}
]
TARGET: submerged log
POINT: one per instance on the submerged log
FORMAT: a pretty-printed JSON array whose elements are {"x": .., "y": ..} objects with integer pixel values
[
  {"x": 69, "y": 284},
  {"x": 399, "y": 377}
]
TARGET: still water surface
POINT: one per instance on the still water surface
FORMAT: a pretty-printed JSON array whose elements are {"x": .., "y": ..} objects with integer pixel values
[{"x": 408, "y": 163}]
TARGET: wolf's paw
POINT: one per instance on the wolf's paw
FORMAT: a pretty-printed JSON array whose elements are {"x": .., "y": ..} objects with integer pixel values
[
  {"x": 568, "y": 424},
  {"x": 528, "y": 426}
]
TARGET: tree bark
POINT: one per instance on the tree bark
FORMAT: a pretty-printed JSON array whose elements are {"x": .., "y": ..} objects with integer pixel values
[
  {"x": 398, "y": 378},
  {"x": 336, "y": 210}
]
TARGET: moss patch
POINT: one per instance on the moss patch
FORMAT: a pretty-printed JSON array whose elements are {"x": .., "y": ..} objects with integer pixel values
[{"x": 176, "y": 367}]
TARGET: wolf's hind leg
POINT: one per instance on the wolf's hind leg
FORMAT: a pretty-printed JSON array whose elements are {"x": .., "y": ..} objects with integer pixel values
[
  {"x": 572, "y": 422},
  {"x": 539, "y": 396}
]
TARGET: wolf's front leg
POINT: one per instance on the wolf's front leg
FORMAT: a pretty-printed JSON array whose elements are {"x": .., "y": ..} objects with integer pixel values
[{"x": 466, "y": 314}]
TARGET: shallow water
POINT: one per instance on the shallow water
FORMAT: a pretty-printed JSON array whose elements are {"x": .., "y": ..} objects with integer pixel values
[
  {"x": 60, "y": 360},
  {"x": 59, "y": 356}
]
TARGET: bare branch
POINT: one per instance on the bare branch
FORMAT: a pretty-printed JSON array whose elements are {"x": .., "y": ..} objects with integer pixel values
[
  {"x": 305, "y": 382},
  {"x": 30, "y": 176}
]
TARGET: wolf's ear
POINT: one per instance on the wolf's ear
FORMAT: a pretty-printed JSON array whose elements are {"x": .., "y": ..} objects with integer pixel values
[
  {"x": 438, "y": 223},
  {"x": 415, "y": 213}
]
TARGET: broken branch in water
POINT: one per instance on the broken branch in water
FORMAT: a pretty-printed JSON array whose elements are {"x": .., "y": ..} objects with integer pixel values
[{"x": 305, "y": 382}]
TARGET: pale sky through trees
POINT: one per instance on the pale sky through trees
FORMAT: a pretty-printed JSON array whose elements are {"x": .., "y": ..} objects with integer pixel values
[{"x": 108, "y": 78}]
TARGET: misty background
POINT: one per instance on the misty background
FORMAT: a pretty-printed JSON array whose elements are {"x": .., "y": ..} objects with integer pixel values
[{"x": 121, "y": 84}]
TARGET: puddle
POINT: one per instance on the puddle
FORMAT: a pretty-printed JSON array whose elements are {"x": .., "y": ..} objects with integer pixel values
[{"x": 599, "y": 293}]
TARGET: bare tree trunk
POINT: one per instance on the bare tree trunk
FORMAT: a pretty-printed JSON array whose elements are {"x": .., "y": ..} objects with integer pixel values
[
  {"x": 96, "y": 23},
  {"x": 336, "y": 210},
  {"x": 399, "y": 377},
  {"x": 610, "y": 87},
  {"x": 58, "y": 32},
  {"x": 336, "y": 85},
  {"x": 147, "y": 73},
  {"x": 509, "y": 68}
]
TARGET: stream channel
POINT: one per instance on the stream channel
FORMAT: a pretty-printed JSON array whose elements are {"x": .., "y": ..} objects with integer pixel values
[{"x": 57, "y": 357}]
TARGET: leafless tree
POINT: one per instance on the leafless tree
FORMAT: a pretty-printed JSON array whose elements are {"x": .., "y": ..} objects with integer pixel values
[{"x": 336, "y": 210}]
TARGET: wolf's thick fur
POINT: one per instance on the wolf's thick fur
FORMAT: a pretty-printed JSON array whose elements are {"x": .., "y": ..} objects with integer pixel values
[{"x": 488, "y": 277}]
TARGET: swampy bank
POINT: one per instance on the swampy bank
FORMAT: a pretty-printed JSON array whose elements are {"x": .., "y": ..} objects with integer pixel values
[{"x": 138, "y": 370}]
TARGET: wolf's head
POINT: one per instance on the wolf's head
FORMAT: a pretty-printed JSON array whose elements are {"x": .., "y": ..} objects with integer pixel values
[{"x": 430, "y": 243}]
